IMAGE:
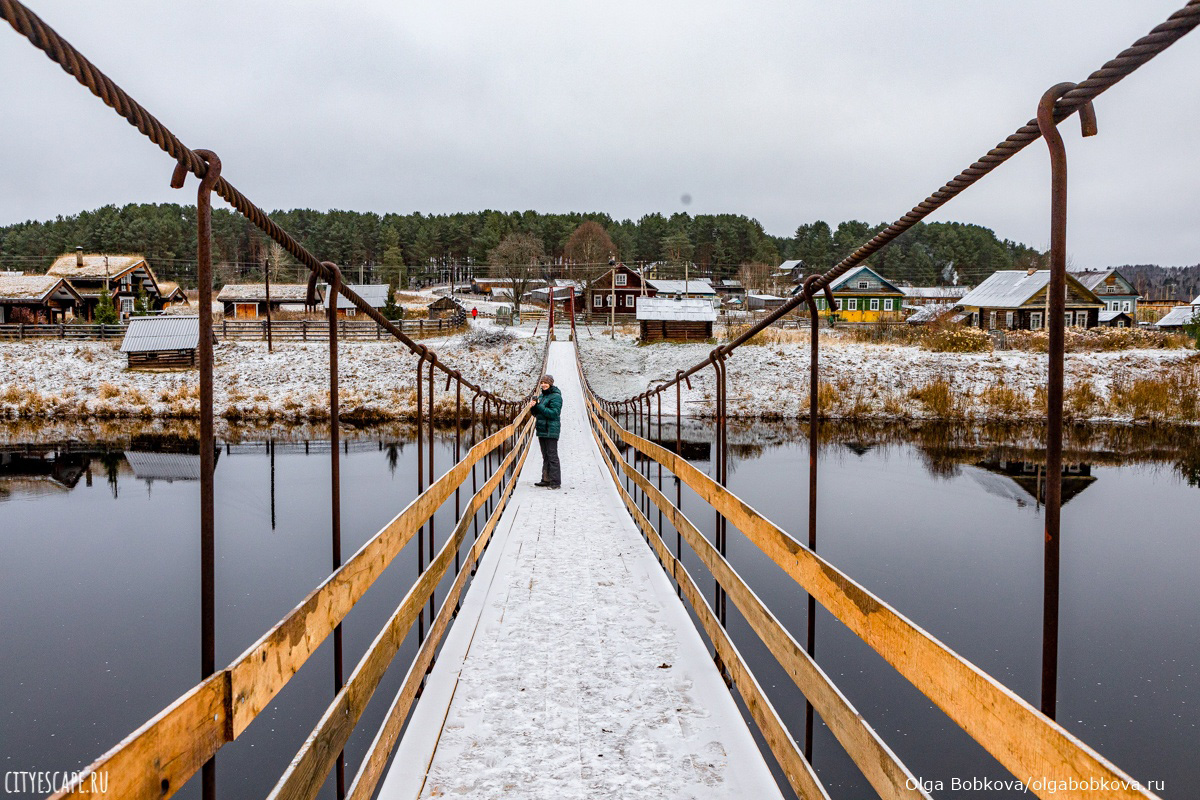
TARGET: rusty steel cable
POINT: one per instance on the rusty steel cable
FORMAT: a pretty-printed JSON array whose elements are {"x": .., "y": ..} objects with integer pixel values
[
  {"x": 74, "y": 63},
  {"x": 1125, "y": 63}
]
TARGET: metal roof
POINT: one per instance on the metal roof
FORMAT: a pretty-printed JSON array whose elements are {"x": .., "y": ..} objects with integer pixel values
[
  {"x": 694, "y": 286},
  {"x": 695, "y": 309},
  {"x": 164, "y": 466},
  {"x": 257, "y": 292},
  {"x": 1012, "y": 288},
  {"x": 374, "y": 293},
  {"x": 1180, "y": 315},
  {"x": 946, "y": 292},
  {"x": 1109, "y": 316},
  {"x": 764, "y": 296},
  {"x": 150, "y": 334}
]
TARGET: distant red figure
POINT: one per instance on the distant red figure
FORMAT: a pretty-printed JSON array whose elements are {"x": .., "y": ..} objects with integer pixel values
[{"x": 474, "y": 313}]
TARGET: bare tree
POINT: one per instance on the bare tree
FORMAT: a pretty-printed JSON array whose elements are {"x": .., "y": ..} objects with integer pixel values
[
  {"x": 757, "y": 277},
  {"x": 516, "y": 260}
]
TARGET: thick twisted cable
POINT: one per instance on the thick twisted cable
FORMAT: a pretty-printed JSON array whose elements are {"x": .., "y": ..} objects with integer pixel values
[{"x": 74, "y": 63}]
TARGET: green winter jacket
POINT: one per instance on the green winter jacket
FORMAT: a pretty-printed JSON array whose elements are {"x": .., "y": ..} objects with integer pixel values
[{"x": 547, "y": 412}]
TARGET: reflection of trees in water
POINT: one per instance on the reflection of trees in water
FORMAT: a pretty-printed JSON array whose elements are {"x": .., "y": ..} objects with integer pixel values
[{"x": 111, "y": 461}]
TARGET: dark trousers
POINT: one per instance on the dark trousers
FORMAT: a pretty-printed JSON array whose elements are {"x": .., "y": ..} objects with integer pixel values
[{"x": 551, "y": 469}]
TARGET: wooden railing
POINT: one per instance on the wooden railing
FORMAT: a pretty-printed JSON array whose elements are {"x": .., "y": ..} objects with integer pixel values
[
  {"x": 159, "y": 757},
  {"x": 1021, "y": 738}
]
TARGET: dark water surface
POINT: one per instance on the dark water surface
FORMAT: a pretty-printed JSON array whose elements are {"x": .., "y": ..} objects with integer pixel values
[{"x": 100, "y": 587}]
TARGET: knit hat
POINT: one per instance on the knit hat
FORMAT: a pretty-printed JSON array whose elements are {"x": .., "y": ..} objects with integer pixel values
[{"x": 547, "y": 379}]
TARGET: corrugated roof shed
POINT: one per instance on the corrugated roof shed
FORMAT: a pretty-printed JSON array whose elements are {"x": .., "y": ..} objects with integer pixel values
[
  {"x": 677, "y": 287},
  {"x": 156, "y": 334},
  {"x": 1180, "y": 315},
  {"x": 257, "y": 293},
  {"x": 95, "y": 265},
  {"x": 164, "y": 466},
  {"x": 946, "y": 292},
  {"x": 373, "y": 293},
  {"x": 669, "y": 308}
]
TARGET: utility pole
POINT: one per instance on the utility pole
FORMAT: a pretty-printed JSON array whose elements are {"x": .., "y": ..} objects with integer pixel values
[
  {"x": 270, "y": 343},
  {"x": 612, "y": 298}
]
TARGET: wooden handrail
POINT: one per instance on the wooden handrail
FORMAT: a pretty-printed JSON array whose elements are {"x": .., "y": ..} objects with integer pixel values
[
  {"x": 1021, "y": 738},
  {"x": 890, "y": 778},
  {"x": 161, "y": 755},
  {"x": 310, "y": 767},
  {"x": 795, "y": 766}
]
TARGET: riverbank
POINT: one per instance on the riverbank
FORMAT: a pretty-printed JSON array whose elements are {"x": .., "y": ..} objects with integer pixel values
[
  {"x": 377, "y": 380},
  {"x": 891, "y": 382}
]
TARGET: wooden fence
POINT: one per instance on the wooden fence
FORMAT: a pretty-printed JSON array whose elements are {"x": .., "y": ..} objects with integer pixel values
[{"x": 248, "y": 330}]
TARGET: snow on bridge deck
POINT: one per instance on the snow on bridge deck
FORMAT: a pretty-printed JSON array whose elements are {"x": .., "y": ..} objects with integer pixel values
[{"x": 573, "y": 669}]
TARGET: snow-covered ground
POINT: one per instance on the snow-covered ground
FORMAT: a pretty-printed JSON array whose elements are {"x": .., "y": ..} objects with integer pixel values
[
  {"x": 377, "y": 379},
  {"x": 865, "y": 380}
]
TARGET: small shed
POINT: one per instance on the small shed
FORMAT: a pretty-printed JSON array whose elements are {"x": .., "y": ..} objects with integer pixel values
[
  {"x": 761, "y": 302},
  {"x": 249, "y": 300},
  {"x": 162, "y": 341},
  {"x": 1115, "y": 319},
  {"x": 445, "y": 308},
  {"x": 1179, "y": 316},
  {"x": 675, "y": 318}
]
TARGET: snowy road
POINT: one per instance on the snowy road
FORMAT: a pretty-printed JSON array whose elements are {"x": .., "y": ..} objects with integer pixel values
[{"x": 572, "y": 670}]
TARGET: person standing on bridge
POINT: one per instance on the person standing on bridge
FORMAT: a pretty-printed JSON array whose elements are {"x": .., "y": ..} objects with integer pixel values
[{"x": 547, "y": 409}]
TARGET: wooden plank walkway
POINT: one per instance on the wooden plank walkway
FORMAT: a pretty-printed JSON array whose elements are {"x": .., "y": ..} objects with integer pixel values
[{"x": 573, "y": 670}]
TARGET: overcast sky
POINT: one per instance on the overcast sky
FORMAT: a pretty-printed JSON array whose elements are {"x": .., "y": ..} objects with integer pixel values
[{"x": 785, "y": 111}]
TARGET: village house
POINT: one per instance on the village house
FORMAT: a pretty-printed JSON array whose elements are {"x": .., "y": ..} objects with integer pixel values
[
  {"x": 249, "y": 300},
  {"x": 862, "y": 295},
  {"x": 933, "y": 295},
  {"x": 763, "y": 302},
  {"x": 1114, "y": 289},
  {"x": 1016, "y": 299},
  {"x": 444, "y": 308},
  {"x": 1179, "y": 316},
  {"x": 694, "y": 288},
  {"x": 124, "y": 276},
  {"x": 172, "y": 294},
  {"x": 162, "y": 342},
  {"x": 375, "y": 294},
  {"x": 622, "y": 286},
  {"x": 730, "y": 289},
  {"x": 676, "y": 319},
  {"x": 37, "y": 299}
]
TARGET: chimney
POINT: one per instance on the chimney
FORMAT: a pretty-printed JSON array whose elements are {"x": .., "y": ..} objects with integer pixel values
[
  {"x": 1031, "y": 270},
  {"x": 79, "y": 256}
]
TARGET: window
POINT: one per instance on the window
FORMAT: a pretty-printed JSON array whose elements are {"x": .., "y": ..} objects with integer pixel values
[
  {"x": 1035, "y": 321},
  {"x": 991, "y": 320},
  {"x": 1126, "y": 305},
  {"x": 126, "y": 305},
  {"x": 1081, "y": 319},
  {"x": 874, "y": 303},
  {"x": 863, "y": 284},
  {"x": 608, "y": 299},
  {"x": 852, "y": 304},
  {"x": 630, "y": 300},
  {"x": 622, "y": 279},
  {"x": 597, "y": 300},
  {"x": 1008, "y": 319},
  {"x": 887, "y": 304},
  {"x": 838, "y": 301},
  {"x": 820, "y": 304}
]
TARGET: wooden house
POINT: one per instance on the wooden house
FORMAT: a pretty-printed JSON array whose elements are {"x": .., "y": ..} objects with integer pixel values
[
  {"x": 169, "y": 341},
  {"x": 172, "y": 294},
  {"x": 677, "y": 319},
  {"x": 374, "y": 293},
  {"x": 1115, "y": 319},
  {"x": 1179, "y": 316},
  {"x": 694, "y": 288},
  {"x": 933, "y": 295},
  {"x": 124, "y": 276},
  {"x": 622, "y": 286},
  {"x": 445, "y": 308},
  {"x": 863, "y": 295},
  {"x": 249, "y": 300},
  {"x": 37, "y": 299},
  {"x": 1016, "y": 299},
  {"x": 1114, "y": 290},
  {"x": 763, "y": 302}
]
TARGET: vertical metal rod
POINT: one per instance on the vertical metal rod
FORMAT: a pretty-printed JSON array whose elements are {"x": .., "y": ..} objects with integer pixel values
[
  {"x": 272, "y": 446},
  {"x": 474, "y": 478},
  {"x": 679, "y": 453},
  {"x": 335, "y": 491},
  {"x": 457, "y": 458},
  {"x": 267, "y": 279},
  {"x": 432, "y": 549},
  {"x": 813, "y": 422},
  {"x": 1056, "y": 328},
  {"x": 421, "y": 485},
  {"x": 658, "y": 394},
  {"x": 208, "y": 636}
]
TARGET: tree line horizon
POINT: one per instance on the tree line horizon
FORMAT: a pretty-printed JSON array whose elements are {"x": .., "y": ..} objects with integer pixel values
[{"x": 396, "y": 247}]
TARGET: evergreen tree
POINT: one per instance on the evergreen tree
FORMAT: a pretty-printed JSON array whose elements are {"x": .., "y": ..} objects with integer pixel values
[{"x": 106, "y": 314}]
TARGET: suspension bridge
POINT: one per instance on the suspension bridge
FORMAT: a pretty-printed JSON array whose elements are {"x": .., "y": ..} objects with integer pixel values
[{"x": 563, "y": 660}]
